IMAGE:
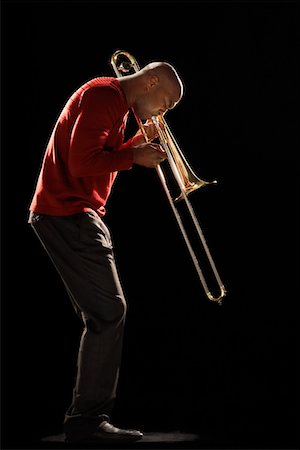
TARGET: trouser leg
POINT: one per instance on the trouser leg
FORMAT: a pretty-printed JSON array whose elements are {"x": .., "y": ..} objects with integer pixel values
[{"x": 81, "y": 250}]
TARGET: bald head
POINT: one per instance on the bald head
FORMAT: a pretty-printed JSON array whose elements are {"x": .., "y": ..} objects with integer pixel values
[
  {"x": 152, "y": 90},
  {"x": 167, "y": 78}
]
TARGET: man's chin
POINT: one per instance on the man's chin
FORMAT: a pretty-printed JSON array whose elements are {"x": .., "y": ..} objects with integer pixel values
[{"x": 142, "y": 116}]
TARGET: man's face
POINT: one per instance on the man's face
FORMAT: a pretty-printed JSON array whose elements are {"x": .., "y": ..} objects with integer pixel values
[{"x": 153, "y": 103}]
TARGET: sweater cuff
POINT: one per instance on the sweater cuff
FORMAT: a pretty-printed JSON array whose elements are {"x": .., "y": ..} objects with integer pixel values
[{"x": 127, "y": 144}]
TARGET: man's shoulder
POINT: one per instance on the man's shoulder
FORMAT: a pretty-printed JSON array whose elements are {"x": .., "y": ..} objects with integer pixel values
[
  {"x": 101, "y": 84},
  {"x": 104, "y": 89}
]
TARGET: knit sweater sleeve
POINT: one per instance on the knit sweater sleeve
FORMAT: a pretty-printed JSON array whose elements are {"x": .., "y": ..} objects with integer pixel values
[{"x": 99, "y": 111}]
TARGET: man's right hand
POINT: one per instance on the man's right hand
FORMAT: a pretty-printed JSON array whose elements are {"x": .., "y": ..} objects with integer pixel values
[{"x": 148, "y": 154}]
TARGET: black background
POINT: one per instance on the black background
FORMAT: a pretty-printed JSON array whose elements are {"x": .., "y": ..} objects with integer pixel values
[{"x": 229, "y": 372}]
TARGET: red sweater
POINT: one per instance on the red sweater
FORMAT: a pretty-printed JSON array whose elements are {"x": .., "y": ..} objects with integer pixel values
[{"x": 85, "y": 151}]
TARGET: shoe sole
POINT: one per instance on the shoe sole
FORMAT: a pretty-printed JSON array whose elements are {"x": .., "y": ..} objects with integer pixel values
[{"x": 104, "y": 439}]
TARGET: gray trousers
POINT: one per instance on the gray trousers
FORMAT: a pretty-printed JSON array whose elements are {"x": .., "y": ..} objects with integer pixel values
[{"x": 80, "y": 248}]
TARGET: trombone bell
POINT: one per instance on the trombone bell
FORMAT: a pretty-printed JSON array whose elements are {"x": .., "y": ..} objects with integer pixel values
[
  {"x": 191, "y": 184},
  {"x": 190, "y": 181}
]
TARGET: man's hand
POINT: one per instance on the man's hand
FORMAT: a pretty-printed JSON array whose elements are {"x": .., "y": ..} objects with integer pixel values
[
  {"x": 149, "y": 154},
  {"x": 151, "y": 133}
]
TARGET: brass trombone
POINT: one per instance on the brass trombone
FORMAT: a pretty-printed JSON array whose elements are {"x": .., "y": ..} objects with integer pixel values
[{"x": 123, "y": 64}]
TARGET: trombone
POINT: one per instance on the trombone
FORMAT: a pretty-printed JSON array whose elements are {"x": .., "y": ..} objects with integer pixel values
[{"x": 123, "y": 64}]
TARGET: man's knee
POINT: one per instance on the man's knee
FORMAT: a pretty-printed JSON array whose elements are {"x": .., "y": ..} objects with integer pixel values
[
  {"x": 109, "y": 313},
  {"x": 116, "y": 311}
]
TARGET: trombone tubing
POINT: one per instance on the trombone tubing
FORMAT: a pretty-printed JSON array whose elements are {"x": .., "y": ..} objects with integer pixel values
[{"x": 165, "y": 136}]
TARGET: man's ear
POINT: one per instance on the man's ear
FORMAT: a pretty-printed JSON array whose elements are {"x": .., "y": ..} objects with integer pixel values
[{"x": 152, "y": 81}]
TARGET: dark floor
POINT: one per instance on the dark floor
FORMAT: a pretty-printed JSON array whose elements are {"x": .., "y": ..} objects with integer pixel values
[{"x": 175, "y": 439}]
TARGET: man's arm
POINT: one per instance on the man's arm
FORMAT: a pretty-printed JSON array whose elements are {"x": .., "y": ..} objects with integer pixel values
[{"x": 99, "y": 111}]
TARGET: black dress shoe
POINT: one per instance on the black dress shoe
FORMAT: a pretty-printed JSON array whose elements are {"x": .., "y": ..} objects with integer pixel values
[{"x": 108, "y": 432}]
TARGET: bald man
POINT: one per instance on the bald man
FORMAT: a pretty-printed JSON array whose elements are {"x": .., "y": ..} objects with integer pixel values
[{"x": 85, "y": 152}]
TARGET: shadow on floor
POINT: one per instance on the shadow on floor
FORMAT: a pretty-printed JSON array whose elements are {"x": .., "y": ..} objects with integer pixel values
[{"x": 175, "y": 439}]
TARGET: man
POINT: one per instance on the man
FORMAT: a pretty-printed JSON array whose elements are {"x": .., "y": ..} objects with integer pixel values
[{"x": 83, "y": 156}]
